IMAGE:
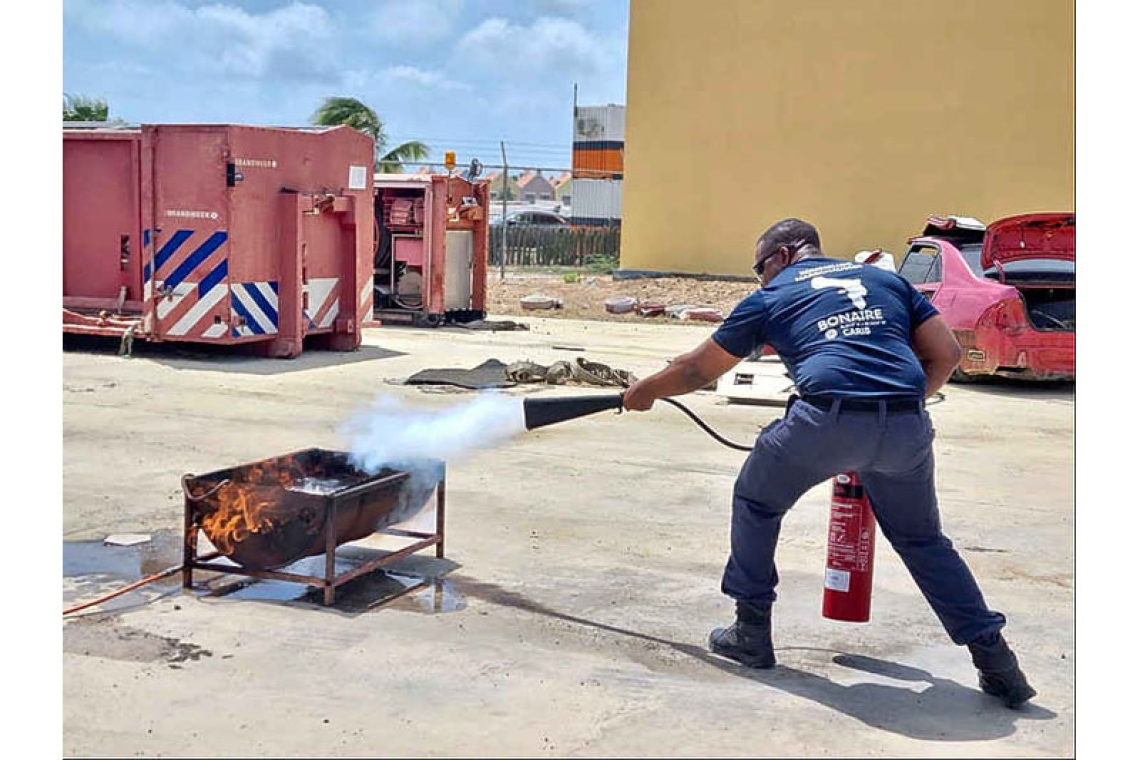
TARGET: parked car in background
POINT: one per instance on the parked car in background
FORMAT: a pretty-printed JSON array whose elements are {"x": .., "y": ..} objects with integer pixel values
[
  {"x": 1008, "y": 290},
  {"x": 533, "y": 217}
]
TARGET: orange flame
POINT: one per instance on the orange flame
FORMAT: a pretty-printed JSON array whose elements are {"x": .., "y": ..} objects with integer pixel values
[{"x": 245, "y": 505}]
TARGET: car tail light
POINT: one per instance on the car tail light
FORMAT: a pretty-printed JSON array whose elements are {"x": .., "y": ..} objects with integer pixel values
[{"x": 1007, "y": 316}]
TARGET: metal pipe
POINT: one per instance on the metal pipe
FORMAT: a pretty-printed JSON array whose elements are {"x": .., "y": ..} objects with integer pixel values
[
  {"x": 330, "y": 552},
  {"x": 132, "y": 586},
  {"x": 440, "y": 501}
]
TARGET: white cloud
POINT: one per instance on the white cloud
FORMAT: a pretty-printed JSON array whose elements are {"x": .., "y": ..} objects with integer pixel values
[
  {"x": 547, "y": 44},
  {"x": 407, "y": 80},
  {"x": 433, "y": 80},
  {"x": 290, "y": 42},
  {"x": 414, "y": 22}
]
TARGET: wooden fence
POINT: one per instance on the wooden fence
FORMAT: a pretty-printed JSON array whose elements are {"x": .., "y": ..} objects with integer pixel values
[{"x": 535, "y": 245}]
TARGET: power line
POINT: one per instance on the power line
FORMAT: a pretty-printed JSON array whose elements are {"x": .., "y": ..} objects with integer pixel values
[
  {"x": 523, "y": 167},
  {"x": 581, "y": 173},
  {"x": 455, "y": 144},
  {"x": 446, "y": 141},
  {"x": 480, "y": 141},
  {"x": 520, "y": 167},
  {"x": 526, "y": 154},
  {"x": 495, "y": 149},
  {"x": 516, "y": 156}
]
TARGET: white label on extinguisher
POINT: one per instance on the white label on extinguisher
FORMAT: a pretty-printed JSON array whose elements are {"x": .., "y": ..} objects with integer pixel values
[{"x": 836, "y": 580}]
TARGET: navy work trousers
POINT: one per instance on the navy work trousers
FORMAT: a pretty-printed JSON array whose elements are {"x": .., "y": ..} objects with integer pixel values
[{"x": 892, "y": 453}]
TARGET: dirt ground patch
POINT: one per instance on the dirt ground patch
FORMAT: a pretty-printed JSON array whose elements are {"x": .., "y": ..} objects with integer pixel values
[{"x": 585, "y": 298}]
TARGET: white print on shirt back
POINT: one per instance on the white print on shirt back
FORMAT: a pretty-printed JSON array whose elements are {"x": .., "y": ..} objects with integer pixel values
[
  {"x": 853, "y": 287},
  {"x": 839, "y": 266},
  {"x": 850, "y": 324}
]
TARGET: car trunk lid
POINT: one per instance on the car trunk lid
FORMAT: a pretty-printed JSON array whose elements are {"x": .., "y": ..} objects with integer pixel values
[{"x": 1030, "y": 236}]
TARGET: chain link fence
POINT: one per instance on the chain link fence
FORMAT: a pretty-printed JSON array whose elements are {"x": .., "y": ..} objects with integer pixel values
[{"x": 537, "y": 245}]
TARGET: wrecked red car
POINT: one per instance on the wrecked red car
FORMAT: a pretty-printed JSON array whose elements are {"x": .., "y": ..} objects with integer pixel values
[{"x": 1007, "y": 289}]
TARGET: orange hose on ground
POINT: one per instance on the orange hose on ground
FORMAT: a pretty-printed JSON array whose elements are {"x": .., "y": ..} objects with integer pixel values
[{"x": 132, "y": 586}]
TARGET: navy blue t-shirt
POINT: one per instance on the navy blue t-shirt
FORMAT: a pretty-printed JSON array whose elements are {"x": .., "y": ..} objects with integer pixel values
[{"x": 841, "y": 328}]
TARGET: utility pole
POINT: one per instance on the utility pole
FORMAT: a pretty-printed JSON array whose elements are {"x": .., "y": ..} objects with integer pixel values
[{"x": 503, "y": 221}]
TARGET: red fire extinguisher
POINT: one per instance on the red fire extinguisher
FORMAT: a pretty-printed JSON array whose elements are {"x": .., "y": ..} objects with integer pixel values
[{"x": 850, "y": 552}]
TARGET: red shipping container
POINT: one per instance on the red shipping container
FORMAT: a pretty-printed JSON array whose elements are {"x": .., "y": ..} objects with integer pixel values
[{"x": 219, "y": 234}]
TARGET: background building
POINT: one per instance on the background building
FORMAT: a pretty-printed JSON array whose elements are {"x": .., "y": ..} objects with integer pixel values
[
  {"x": 534, "y": 187},
  {"x": 862, "y": 118},
  {"x": 495, "y": 180},
  {"x": 563, "y": 189},
  {"x": 598, "y": 164}
]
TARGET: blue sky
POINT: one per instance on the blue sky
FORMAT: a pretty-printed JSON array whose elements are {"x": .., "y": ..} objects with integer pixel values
[{"x": 458, "y": 74}]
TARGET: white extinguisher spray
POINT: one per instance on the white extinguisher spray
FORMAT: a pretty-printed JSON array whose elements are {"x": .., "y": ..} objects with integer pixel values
[{"x": 850, "y": 552}]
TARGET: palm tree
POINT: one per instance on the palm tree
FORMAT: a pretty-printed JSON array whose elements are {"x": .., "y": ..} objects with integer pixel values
[
  {"x": 393, "y": 161},
  {"x": 350, "y": 111},
  {"x": 84, "y": 108}
]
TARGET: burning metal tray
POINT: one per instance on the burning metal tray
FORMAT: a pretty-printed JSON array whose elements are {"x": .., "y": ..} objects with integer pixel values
[{"x": 271, "y": 513}]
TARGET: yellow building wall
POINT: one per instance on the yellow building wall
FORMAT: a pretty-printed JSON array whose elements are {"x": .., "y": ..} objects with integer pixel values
[{"x": 860, "y": 116}]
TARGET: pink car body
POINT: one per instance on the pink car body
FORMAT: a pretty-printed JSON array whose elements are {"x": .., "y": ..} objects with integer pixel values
[{"x": 1007, "y": 290}]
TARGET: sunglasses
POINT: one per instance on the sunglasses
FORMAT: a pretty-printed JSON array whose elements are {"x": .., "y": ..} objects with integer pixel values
[{"x": 758, "y": 267}]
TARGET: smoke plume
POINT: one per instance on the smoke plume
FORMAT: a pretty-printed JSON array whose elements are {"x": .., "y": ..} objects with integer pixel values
[{"x": 392, "y": 434}]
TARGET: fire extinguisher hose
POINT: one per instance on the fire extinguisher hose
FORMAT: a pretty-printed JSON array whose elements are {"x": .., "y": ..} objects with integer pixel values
[
  {"x": 704, "y": 426},
  {"x": 939, "y": 396}
]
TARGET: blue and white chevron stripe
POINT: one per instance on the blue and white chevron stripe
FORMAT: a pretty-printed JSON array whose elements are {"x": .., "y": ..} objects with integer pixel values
[{"x": 256, "y": 303}]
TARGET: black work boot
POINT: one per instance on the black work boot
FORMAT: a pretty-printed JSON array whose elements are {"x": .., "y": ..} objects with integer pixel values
[
  {"x": 998, "y": 671},
  {"x": 749, "y": 639}
]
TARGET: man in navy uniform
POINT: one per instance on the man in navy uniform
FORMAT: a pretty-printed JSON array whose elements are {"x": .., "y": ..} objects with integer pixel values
[{"x": 865, "y": 350}]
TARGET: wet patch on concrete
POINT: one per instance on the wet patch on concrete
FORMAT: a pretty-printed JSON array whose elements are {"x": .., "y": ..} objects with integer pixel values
[
  {"x": 94, "y": 559},
  {"x": 428, "y": 596},
  {"x": 91, "y": 568},
  {"x": 107, "y": 638},
  {"x": 419, "y": 578}
]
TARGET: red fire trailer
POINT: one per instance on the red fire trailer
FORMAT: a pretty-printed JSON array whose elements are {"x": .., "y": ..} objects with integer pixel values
[
  {"x": 431, "y": 248},
  {"x": 219, "y": 234}
]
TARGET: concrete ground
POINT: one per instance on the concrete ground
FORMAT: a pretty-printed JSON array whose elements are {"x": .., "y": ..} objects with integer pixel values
[{"x": 581, "y": 580}]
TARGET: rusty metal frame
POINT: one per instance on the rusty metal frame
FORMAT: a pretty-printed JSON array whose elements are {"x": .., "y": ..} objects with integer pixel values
[{"x": 191, "y": 561}]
